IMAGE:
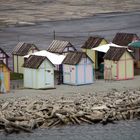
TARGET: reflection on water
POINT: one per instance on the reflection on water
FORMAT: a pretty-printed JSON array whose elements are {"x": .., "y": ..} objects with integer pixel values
[{"x": 128, "y": 130}]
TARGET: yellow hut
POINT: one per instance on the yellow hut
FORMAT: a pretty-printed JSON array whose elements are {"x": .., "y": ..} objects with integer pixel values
[
  {"x": 4, "y": 77},
  {"x": 118, "y": 64},
  {"x": 95, "y": 56},
  {"x": 19, "y": 52}
]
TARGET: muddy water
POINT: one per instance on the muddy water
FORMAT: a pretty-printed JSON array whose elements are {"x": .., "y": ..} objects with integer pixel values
[{"x": 128, "y": 130}]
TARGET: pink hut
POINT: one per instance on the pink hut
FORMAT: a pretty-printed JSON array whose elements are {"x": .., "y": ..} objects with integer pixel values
[
  {"x": 77, "y": 69},
  {"x": 118, "y": 64}
]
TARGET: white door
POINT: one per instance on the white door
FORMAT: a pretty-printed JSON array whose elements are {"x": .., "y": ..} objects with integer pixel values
[{"x": 49, "y": 78}]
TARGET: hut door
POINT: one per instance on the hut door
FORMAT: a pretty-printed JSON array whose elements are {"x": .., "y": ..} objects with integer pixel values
[
  {"x": 121, "y": 70},
  {"x": 49, "y": 80}
]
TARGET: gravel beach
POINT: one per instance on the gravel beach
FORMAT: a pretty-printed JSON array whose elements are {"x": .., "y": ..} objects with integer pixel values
[{"x": 68, "y": 91}]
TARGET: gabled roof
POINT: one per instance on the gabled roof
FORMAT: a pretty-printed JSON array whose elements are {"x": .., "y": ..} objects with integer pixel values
[
  {"x": 92, "y": 42},
  {"x": 4, "y": 52},
  {"x": 74, "y": 58},
  {"x": 23, "y": 48},
  {"x": 115, "y": 53},
  {"x": 34, "y": 61},
  {"x": 58, "y": 46},
  {"x": 124, "y": 39},
  {"x": 2, "y": 63}
]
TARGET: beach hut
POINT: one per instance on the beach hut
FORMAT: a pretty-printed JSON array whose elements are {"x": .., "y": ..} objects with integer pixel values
[
  {"x": 38, "y": 72},
  {"x": 123, "y": 39},
  {"x": 19, "y": 52},
  {"x": 77, "y": 69},
  {"x": 4, "y": 56},
  {"x": 135, "y": 47},
  {"x": 61, "y": 47},
  {"x": 118, "y": 64},
  {"x": 4, "y": 77},
  {"x": 92, "y": 42}
]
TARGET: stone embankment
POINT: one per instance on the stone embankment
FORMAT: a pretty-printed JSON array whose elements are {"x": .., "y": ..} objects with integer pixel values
[{"x": 26, "y": 114}]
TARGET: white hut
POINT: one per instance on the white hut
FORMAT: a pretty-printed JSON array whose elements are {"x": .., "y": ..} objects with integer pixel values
[{"x": 38, "y": 72}]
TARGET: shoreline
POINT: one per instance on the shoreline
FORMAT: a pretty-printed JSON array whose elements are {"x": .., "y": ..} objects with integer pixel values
[{"x": 4, "y": 24}]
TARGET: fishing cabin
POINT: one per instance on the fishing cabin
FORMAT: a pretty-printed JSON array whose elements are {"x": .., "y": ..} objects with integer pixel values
[
  {"x": 118, "y": 64},
  {"x": 61, "y": 47},
  {"x": 78, "y": 69},
  {"x": 19, "y": 52},
  {"x": 38, "y": 72},
  {"x": 4, "y": 56},
  {"x": 4, "y": 77},
  {"x": 92, "y": 42}
]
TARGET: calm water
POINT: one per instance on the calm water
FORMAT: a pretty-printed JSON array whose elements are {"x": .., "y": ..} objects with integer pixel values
[{"x": 128, "y": 130}]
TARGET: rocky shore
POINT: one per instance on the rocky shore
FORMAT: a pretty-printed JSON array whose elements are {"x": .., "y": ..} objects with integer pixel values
[{"x": 26, "y": 113}]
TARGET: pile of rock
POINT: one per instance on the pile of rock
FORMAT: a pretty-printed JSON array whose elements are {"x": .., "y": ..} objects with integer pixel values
[{"x": 26, "y": 114}]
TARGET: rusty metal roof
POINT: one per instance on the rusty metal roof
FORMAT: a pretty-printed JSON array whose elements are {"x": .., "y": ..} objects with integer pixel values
[
  {"x": 74, "y": 58},
  {"x": 124, "y": 39},
  {"x": 115, "y": 53},
  {"x": 92, "y": 42},
  {"x": 34, "y": 61},
  {"x": 23, "y": 48},
  {"x": 58, "y": 46}
]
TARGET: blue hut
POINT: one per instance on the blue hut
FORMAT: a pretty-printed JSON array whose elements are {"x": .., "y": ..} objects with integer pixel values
[{"x": 77, "y": 69}]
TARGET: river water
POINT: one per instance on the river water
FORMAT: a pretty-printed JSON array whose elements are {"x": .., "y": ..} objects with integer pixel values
[{"x": 124, "y": 130}]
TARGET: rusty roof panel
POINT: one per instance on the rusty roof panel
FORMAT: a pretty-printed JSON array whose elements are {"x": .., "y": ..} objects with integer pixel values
[
  {"x": 23, "y": 48},
  {"x": 34, "y": 61},
  {"x": 124, "y": 39},
  {"x": 74, "y": 58},
  {"x": 58, "y": 46},
  {"x": 114, "y": 53},
  {"x": 92, "y": 42}
]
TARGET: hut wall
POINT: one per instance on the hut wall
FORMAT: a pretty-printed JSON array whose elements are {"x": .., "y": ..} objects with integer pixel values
[
  {"x": 92, "y": 55},
  {"x": 18, "y": 62},
  {"x": 126, "y": 67},
  {"x": 69, "y": 74}
]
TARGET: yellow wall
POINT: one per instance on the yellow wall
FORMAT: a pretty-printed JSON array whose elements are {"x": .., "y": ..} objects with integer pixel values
[
  {"x": 6, "y": 72},
  {"x": 128, "y": 62},
  {"x": 93, "y": 54}
]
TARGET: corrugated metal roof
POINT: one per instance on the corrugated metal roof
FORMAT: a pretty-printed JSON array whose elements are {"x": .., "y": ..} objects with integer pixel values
[
  {"x": 92, "y": 42},
  {"x": 58, "y": 46},
  {"x": 74, "y": 58},
  {"x": 124, "y": 39},
  {"x": 115, "y": 53},
  {"x": 23, "y": 48},
  {"x": 34, "y": 61}
]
